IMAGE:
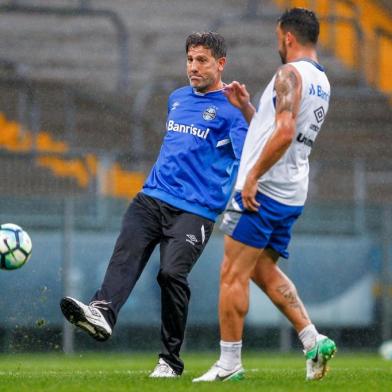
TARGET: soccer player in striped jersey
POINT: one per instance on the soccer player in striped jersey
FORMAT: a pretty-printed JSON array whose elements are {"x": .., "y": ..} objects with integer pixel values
[
  {"x": 270, "y": 194},
  {"x": 188, "y": 187}
]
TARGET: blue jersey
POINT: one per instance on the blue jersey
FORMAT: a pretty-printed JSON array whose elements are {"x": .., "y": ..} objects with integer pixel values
[{"x": 198, "y": 161}]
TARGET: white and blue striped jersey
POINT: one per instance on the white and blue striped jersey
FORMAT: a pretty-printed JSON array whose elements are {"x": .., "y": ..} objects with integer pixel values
[
  {"x": 199, "y": 157},
  {"x": 287, "y": 181}
]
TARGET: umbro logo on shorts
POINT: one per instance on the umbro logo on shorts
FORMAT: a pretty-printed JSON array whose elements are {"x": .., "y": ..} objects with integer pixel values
[{"x": 191, "y": 238}]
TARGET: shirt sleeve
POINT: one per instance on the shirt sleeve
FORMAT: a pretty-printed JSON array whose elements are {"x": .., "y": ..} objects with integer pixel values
[
  {"x": 238, "y": 130},
  {"x": 169, "y": 104}
]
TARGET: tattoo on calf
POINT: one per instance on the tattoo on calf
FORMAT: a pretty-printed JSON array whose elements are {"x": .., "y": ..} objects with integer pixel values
[{"x": 292, "y": 299}]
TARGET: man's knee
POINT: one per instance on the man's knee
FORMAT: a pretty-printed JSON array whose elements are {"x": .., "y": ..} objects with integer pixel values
[
  {"x": 230, "y": 273},
  {"x": 233, "y": 296},
  {"x": 169, "y": 275},
  {"x": 266, "y": 272}
]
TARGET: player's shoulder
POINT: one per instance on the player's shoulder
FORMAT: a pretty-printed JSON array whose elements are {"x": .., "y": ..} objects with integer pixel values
[
  {"x": 307, "y": 67},
  {"x": 288, "y": 75},
  {"x": 287, "y": 70},
  {"x": 181, "y": 91}
]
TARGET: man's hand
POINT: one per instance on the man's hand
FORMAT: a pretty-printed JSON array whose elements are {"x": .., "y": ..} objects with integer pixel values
[
  {"x": 249, "y": 193},
  {"x": 237, "y": 94}
]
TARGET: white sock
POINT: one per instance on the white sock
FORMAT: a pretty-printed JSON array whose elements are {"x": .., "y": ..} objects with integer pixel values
[
  {"x": 230, "y": 354},
  {"x": 308, "y": 336}
]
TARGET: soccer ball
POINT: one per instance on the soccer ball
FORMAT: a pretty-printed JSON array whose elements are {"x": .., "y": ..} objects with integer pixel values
[
  {"x": 385, "y": 349},
  {"x": 15, "y": 246}
]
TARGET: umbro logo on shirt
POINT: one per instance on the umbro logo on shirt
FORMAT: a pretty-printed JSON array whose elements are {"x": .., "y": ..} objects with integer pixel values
[
  {"x": 319, "y": 114},
  {"x": 175, "y": 105}
]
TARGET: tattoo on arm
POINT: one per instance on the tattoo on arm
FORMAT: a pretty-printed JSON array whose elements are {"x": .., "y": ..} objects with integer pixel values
[{"x": 286, "y": 87}]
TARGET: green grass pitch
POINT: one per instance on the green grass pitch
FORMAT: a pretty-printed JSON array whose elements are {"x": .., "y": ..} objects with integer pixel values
[{"x": 129, "y": 372}]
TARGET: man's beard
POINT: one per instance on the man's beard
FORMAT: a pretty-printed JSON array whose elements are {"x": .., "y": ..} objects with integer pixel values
[
  {"x": 202, "y": 87},
  {"x": 283, "y": 54}
]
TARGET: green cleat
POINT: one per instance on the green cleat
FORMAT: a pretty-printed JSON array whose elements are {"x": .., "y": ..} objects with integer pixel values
[{"x": 318, "y": 356}]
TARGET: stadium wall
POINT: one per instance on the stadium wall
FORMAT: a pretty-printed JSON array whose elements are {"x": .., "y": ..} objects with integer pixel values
[{"x": 335, "y": 276}]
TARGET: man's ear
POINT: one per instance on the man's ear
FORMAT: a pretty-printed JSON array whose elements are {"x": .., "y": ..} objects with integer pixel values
[
  {"x": 221, "y": 63},
  {"x": 290, "y": 39}
]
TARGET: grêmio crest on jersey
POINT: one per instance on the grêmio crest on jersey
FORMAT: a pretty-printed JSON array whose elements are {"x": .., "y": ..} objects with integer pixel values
[{"x": 210, "y": 113}]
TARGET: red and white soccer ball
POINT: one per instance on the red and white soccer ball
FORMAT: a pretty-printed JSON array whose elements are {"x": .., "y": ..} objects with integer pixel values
[{"x": 15, "y": 246}]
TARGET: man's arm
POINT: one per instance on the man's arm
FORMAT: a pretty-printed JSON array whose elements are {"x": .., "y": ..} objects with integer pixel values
[
  {"x": 239, "y": 97},
  {"x": 288, "y": 87}
]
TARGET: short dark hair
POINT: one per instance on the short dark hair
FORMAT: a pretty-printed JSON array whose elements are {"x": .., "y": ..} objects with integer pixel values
[
  {"x": 209, "y": 40},
  {"x": 303, "y": 23}
]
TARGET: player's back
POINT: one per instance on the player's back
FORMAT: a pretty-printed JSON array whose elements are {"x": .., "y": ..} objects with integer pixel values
[{"x": 287, "y": 180}]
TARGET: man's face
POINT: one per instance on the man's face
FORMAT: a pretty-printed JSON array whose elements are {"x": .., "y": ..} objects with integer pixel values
[
  {"x": 282, "y": 47},
  {"x": 203, "y": 69}
]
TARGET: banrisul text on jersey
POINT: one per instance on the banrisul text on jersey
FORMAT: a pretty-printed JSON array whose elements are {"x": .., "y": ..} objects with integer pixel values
[{"x": 175, "y": 127}]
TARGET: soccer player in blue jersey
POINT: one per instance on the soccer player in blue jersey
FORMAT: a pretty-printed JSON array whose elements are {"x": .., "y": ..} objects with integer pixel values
[
  {"x": 271, "y": 191},
  {"x": 187, "y": 188}
]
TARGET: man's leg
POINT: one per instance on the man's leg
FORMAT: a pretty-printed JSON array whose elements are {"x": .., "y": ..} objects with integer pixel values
[
  {"x": 239, "y": 261},
  {"x": 186, "y": 236},
  {"x": 281, "y": 290},
  {"x": 140, "y": 233}
]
